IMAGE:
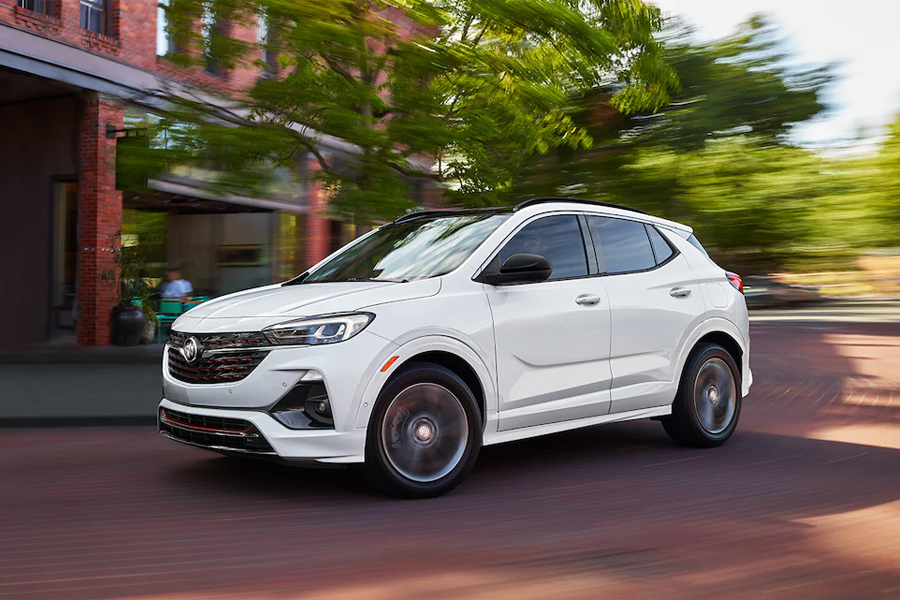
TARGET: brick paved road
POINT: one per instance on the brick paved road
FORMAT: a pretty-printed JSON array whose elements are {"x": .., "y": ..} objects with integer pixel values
[{"x": 804, "y": 502}]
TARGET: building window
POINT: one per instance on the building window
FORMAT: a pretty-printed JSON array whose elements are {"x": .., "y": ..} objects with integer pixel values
[
  {"x": 266, "y": 41},
  {"x": 162, "y": 22},
  {"x": 93, "y": 16},
  {"x": 167, "y": 38},
  {"x": 213, "y": 30},
  {"x": 38, "y": 6}
]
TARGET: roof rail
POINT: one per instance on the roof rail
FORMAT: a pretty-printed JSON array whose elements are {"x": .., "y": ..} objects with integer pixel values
[
  {"x": 534, "y": 201},
  {"x": 430, "y": 212}
]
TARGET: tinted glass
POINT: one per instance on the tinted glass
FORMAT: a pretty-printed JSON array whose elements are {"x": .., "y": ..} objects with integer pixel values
[
  {"x": 625, "y": 246},
  {"x": 558, "y": 239},
  {"x": 696, "y": 244},
  {"x": 662, "y": 249},
  {"x": 417, "y": 249}
]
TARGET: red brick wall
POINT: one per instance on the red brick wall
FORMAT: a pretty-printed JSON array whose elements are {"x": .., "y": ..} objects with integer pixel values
[
  {"x": 137, "y": 32},
  {"x": 99, "y": 217}
]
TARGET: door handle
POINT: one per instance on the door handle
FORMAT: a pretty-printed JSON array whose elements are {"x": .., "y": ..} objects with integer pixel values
[
  {"x": 679, "y": 292},
  {"x": 587, "y": 300}
]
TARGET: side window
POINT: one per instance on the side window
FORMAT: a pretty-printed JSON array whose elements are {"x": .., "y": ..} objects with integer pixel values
[
  {"x": 661, "y": 247},
  {"x": 693, "y": 241},
  {"x": 558, "y": 239},
  {"x": 624, "y": 245}
]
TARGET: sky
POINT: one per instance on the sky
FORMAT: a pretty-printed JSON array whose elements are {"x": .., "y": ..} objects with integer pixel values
[{"x": 861, "y": 36}]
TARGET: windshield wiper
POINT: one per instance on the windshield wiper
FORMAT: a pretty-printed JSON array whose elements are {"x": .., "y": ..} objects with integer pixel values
[
  {"x": 377, "y": 279},
  {"x": 296, "y": 280}
]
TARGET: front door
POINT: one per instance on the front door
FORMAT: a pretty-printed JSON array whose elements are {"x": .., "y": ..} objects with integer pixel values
[{"x": 553, "y": 337}]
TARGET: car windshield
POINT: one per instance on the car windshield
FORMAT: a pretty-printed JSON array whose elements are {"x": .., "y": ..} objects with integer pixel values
[{"x": 416, "y": 249}]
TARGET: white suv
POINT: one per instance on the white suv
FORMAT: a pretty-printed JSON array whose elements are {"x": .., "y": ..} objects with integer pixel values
[{"x": 418, "y": 343}]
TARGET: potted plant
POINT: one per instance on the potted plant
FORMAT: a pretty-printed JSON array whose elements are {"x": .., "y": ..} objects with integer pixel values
[{"x": 133, "y": 318}]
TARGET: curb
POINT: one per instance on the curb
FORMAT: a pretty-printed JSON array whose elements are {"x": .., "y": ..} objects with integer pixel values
[
  {"x": 56, "y": 422},
  {"x": 76, "y": 357}
]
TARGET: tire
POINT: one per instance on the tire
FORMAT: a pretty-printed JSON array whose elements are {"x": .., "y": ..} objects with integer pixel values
[
  {"x": 425, "y": 433},
  {"x": 708, "y": 404}
]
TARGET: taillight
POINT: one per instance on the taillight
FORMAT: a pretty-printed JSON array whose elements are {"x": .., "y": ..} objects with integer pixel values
[{"x": 735, "y": 280}]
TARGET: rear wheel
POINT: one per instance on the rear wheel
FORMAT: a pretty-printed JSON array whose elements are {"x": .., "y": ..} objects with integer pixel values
[
  {"x": 706, "y": 409},
  {"x": 424, "y": 434}
]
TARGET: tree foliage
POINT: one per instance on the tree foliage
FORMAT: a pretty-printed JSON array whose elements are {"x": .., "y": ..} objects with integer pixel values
[
  {"x": 720, "y": 158},
  {"x": 473, "y": 87}
]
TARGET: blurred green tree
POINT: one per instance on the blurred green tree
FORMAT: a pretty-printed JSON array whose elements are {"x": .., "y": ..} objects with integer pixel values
[
  {"x": 739, "y": 86},
  {"x": 474, "y": 87},
  {"x": 882, "y": 182},
  {"x": 718, "y": 156}
]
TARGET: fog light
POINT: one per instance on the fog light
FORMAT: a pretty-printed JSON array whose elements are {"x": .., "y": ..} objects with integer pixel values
[{"x": 319, "y": 410}]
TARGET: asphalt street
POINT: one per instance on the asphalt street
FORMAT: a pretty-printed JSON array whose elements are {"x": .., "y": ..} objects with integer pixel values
[{"x": 803, "y": 502}]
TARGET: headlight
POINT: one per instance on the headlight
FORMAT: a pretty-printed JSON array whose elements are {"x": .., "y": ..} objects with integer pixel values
[{"x": 323, "y": 329}]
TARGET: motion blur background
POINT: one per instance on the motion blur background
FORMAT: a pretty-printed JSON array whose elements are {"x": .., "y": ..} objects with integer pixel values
[{"x": 242, "y": 142}]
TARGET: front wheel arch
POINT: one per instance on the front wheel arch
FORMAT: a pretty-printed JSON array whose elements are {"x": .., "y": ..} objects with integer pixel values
[
  {"x": 464, "y": 358},
  {"x": 452, "y": 362}
]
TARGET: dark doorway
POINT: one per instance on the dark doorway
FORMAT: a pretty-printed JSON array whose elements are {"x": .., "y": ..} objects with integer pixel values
[{"x": 65, "y": 256}]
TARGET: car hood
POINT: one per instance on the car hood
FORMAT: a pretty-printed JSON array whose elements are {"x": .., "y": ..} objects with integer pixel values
[{"x": 275, "y": 302}]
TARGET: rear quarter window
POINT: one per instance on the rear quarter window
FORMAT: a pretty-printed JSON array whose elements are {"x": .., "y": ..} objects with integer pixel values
[
  {"x": 661, "y": 247},
  {"x": 693, "y": 241}
]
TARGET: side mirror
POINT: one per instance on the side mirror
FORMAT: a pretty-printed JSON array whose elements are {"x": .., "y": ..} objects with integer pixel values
[{"x": 520, "y": 268}]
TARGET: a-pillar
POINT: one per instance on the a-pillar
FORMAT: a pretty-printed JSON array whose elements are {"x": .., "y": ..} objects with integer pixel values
[
  {"x": 318, "y": 225},
  {"x": 99, "y": 218}
]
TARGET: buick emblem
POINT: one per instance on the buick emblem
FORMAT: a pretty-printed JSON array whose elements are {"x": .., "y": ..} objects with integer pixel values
[{"x": 191, "y": 350}]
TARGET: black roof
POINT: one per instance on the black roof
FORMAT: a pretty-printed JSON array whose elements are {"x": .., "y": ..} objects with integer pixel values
[{"x": 505, "y": 209}]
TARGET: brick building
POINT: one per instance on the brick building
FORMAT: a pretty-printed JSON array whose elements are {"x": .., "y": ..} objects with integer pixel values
[{"x": 71, "y": 74}]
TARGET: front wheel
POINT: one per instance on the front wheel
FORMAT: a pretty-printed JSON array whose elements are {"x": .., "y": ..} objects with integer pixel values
[
  {"x": 424, "y": 434},
  {"x": 706, "y": 409}
]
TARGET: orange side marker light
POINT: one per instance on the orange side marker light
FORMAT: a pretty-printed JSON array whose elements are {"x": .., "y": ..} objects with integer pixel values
[{"x": 388, "y": 364}]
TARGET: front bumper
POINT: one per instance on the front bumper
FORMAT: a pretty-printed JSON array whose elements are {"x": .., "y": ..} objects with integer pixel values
[{"x": 323, "y": 446}]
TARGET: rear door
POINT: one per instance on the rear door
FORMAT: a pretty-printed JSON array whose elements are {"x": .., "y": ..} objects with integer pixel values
[
  {"x": 655, "y": 301},
  {"x": 552, "y": 337}
]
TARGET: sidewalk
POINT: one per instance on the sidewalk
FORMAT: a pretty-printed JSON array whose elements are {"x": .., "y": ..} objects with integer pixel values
[{"x": 63, "y": 384}]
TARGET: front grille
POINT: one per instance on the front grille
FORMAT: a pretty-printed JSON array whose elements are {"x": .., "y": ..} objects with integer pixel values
[
  {"x": 216, "y": 368},
  {"x": 223, "y": 358},
  {"x": 215, "y": 433}
]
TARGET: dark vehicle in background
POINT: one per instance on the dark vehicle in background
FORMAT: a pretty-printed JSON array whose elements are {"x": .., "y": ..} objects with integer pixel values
[{"x": 768, "y": 292}]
